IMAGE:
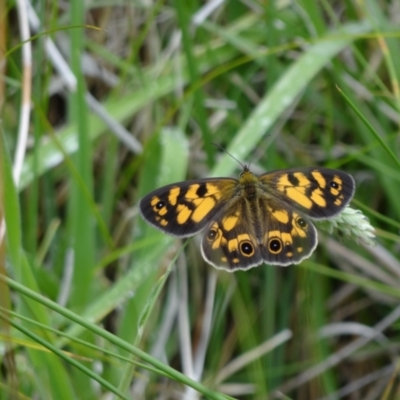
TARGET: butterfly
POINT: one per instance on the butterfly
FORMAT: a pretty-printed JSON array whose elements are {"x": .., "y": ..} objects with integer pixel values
[{"x": 254, "y": 219}]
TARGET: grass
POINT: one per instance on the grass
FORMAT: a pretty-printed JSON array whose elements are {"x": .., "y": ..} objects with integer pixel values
[{"x": 97, "y": 303}]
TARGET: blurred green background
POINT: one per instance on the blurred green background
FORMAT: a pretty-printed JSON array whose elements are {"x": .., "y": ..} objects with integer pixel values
[{"x": 107, "y": 101}]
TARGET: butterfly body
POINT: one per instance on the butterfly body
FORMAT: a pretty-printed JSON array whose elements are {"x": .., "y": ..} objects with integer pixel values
[{"x": 253, "y": 219}]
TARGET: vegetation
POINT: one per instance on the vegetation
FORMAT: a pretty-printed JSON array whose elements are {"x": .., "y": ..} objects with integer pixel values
[{"x": 120, "y": 98}]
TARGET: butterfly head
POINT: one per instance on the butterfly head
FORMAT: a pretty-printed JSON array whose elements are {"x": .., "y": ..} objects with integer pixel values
[{"x": 247, "y": 177}]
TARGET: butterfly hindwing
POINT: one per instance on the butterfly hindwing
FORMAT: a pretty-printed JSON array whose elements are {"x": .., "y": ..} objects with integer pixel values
[
  {"x": 289, "y": 238},
  {"x": 230, "y": 241},
  {"x": 279, "y": 235}
]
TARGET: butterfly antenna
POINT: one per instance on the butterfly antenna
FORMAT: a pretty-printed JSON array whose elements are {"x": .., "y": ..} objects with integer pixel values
[
  {"x": 258, "y": 150},
  {"x": 229, "y": 154},
  {"x": 252, "y": 157}
]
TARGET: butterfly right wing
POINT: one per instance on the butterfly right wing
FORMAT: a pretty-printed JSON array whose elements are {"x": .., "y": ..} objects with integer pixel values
[
  {"x": 288, "y": 236},
  {"x": 183, "y": 209},
  {"x": 317, "y": 192}
]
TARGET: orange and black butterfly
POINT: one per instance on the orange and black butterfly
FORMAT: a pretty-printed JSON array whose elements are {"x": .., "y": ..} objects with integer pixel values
[{"x": 254, "y": 219}]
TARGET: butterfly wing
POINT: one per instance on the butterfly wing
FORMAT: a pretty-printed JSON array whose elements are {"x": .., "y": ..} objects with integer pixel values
[
  {"x": 243, "y": 236},
  {"x": 317, "y": 192},
  {"x": 288, "y": 236},
  {"x": 183, "y": 209},
  {"x": 230, "y": 239}
]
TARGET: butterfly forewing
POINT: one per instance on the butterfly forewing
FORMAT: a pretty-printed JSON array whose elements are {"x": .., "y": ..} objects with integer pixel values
[
  {"x": 317, "y": 192},
  {"x": 183, "y": 209}
]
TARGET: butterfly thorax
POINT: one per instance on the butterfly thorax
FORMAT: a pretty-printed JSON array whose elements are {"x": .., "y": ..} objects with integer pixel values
[{"x": 249, "y": 182}]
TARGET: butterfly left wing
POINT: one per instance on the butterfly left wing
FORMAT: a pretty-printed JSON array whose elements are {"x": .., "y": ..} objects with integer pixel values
[
  {"x": 230, "y": 240},
  {"x": 183, "y": 209},
  {"x": 317, "y": 192}
]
